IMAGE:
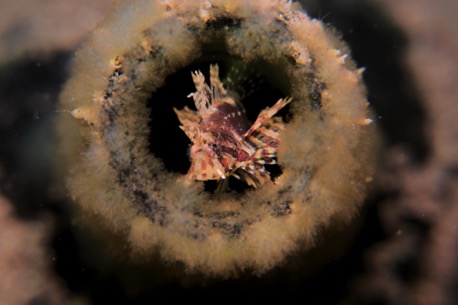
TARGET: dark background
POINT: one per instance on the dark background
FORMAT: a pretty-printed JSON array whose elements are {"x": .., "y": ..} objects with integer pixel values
[{"x": 406, "y": 247}]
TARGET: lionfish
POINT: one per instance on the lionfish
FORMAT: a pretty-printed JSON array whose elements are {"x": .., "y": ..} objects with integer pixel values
[{"x": 223, "y": 143}]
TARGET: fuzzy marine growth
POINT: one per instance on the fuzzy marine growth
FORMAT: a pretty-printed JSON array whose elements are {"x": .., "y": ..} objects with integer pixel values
[{"x": 223, "y": 143}]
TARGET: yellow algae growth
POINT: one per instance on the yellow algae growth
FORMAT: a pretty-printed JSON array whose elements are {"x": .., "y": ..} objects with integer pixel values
[{"x": 325, "y": 157}]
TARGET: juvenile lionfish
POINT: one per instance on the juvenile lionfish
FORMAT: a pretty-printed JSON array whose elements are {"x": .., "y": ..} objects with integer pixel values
[{"x": 223, "y": 143}]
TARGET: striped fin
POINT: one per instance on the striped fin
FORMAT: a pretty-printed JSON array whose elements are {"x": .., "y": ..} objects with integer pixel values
[
  {"x": 267, "y": 138},
  {"x": 205, "y": 168},
  {"x": 202, "y": 96},
  {"x": 266, "y": 114},
  {"x": 187, "y": 116},
  {"x": 189, "y": 120},
  {"x": 254, "y": 175},
  {"x": 218, "y": 91}
]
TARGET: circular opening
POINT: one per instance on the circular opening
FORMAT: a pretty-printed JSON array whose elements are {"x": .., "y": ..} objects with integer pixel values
[{"x": 256, "y": 85}]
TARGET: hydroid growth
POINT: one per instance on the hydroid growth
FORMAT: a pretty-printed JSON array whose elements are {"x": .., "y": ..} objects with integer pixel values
[{"x": 323, "y": 146}]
